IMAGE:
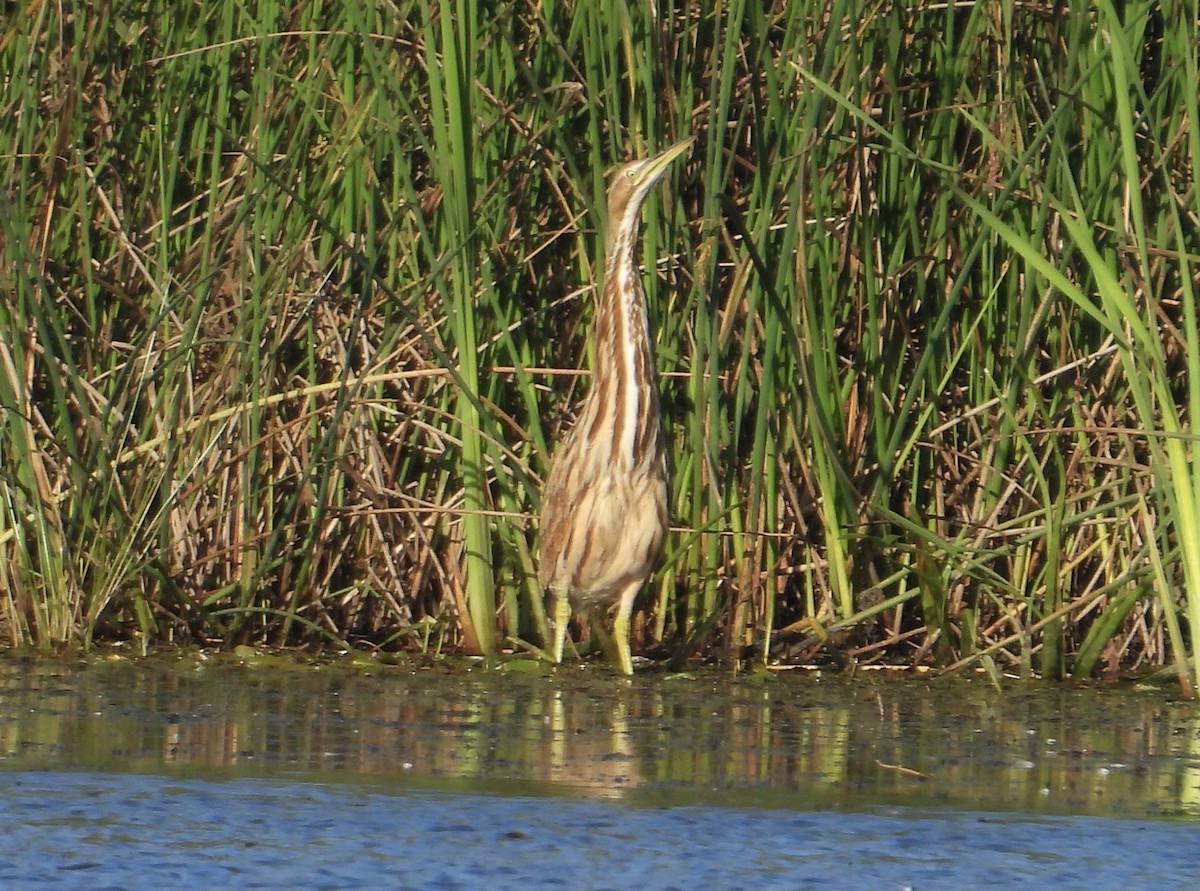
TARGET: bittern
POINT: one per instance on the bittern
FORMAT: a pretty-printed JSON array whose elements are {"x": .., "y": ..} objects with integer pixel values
[{"x": 604, "y": 505}]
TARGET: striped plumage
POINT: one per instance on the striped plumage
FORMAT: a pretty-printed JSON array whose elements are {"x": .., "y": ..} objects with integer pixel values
[{"x": 604, "y": 505}]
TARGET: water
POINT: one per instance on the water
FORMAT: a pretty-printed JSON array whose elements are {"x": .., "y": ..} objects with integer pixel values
[
  {"x": 207, "y": 773},
  {"x": 133, "y": 831}
]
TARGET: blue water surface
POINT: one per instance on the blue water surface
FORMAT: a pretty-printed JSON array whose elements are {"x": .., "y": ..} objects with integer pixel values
[{"x": 71, "y": 830}]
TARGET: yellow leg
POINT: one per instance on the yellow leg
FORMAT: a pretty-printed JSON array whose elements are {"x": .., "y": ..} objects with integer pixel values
[
  {"x": 562, "y": 621},
  {"x": 621, "y": 627}
]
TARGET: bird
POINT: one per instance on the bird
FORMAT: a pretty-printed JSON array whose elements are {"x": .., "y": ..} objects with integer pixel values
[{"x": 604, "y": 504}]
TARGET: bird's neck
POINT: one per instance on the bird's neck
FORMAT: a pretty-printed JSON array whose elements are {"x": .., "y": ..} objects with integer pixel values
[{"x": 624, "y": 382}]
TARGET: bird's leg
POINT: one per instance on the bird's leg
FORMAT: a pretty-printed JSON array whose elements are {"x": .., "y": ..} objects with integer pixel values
[
  {"x": 621, "y": 626},
  {"x": 562, "y": 622}
]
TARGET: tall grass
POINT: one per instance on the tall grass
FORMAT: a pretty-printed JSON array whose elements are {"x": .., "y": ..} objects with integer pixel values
[{"x": 296, "y": 297}]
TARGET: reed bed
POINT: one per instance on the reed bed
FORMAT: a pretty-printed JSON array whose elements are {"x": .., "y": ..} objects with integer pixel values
[{"x": 297, "y": 298}]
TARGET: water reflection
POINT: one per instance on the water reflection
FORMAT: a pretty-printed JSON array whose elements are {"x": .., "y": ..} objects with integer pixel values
[{"x": 789, "y": 741}]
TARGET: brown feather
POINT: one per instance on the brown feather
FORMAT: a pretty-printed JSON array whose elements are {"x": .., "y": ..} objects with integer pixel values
[{"x": 604, "y": 504}]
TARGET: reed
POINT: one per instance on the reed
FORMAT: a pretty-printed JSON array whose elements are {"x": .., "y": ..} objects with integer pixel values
[{"x": 296, "y": 297}]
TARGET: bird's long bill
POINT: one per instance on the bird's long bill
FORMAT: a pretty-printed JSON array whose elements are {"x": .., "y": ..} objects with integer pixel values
[{"x": 656, "y": 165}]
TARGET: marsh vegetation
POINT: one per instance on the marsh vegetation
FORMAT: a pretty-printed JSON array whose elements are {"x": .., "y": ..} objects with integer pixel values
[{"x": 296, "y": 297}]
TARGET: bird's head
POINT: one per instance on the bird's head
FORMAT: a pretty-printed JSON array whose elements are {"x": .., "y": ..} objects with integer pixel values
[{"x": 632, "y": 182}]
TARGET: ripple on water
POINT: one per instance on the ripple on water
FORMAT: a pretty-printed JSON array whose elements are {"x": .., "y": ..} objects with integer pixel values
[
  {"x": 201, "y": 772},
  {"x": 75, "y": 830},
  {"x": 800, "y": 740}
]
